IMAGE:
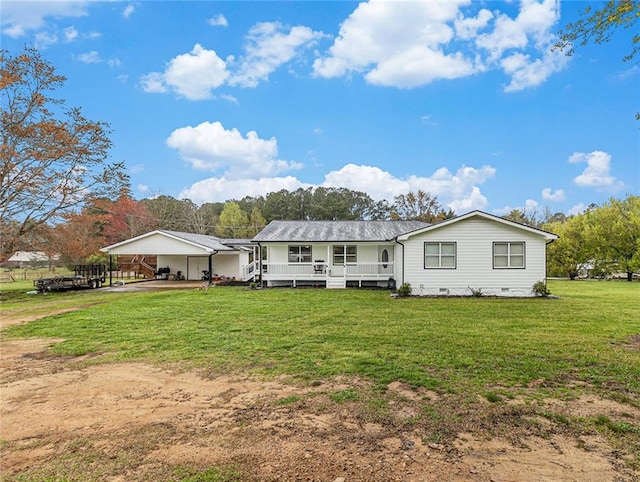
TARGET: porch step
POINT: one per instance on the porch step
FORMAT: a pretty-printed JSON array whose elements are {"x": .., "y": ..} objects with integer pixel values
[{"x": 336, "y": 283}]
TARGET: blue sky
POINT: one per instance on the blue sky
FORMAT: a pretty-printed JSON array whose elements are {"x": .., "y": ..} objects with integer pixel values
[{"x": 218, "y": 100}]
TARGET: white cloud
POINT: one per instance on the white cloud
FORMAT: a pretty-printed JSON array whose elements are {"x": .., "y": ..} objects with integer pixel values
[
  {"x": 397, "y": 44},
  {"x": 128, "y": 11},
  {"x": 70, "y": 34},
  {"x": 530, "y": 206},
  {"x": 143, "y": 188},
  {"x": 596, "y": 174},
  {"x": 20, "y": 17},
  {"x": 136, "y": 168},
  {"x": 526, "y": 72},
  {"x": 196, "y": 74},
  {"x": 114, "y": 62},
  {"x": 457, "y": 191},
  {"x": 193, "y": 75},
  {"x": 467, "y": 28},
  {"x": 577, "y": 209},
  {"x": 209, "y": 146},
  {"x": 409, "y": 44},
  {"x": 554, "y": 196},
  {"x": 222, "y": 189},
  {"x": 229, "y": 98},
  {"x": 45, "y": 39},
  {"x": 218, "y": 21},
  {"x": 268, "y": 47},
  {"x": 532, "y": 24},
  {"x": 92, "y": 57}
]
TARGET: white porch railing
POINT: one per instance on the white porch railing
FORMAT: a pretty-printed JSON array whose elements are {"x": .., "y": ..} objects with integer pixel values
[
  {"x": 287, "y": 271},
  {"x": 249, "y": 271}
]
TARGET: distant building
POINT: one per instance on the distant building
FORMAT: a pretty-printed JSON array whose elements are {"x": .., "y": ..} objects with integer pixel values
[{"x": 30, "y": 259}]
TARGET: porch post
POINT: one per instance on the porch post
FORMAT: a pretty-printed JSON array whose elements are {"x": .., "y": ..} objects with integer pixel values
[
  {"x": 210, "y": 267},
  {"x": 110, "y": 269}
]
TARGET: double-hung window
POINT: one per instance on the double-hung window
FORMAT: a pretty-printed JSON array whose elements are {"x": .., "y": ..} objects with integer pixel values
[
  {"x": 508, "y": 255},
  {"x": 299, "y": 254},
  {"x": 344, "y": 255},
  {"x": 440, "y": 255}
]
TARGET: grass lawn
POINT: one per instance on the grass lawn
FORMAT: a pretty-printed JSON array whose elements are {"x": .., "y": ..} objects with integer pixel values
[
  {"x": 477, "y": 353},
  {"x": 449, "y": 344}
]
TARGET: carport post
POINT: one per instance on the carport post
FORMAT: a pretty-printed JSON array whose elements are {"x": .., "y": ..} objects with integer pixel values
[
  {"x": 210, "y": 267},
  {"x": 110, "y": 269}
]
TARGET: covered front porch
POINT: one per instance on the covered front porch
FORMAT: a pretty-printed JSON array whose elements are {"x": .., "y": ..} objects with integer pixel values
[{"x": 331, "y": 276}]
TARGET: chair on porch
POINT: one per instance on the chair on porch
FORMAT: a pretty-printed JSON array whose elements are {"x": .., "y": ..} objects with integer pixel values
[{"x": 318, "y": 266}]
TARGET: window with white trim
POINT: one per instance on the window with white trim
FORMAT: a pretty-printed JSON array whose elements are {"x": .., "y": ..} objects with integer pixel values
[
  {"x": 508, "y": 255},
  {"x": 440, "y": 255},
  {"x": 345, "y": 255},
  {"x": 299, "y": 254}
]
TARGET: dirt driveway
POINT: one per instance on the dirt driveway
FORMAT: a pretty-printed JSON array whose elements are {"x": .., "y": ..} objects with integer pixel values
[{"x": 74, "y": 419}]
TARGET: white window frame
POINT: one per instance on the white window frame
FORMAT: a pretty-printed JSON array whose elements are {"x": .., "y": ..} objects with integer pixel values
[
  {"x": 347, "y": 258},
  {"x": 439, "y": 255},
  {"x": 301, "y": 257},
  {"x": 510, "y": 256}
]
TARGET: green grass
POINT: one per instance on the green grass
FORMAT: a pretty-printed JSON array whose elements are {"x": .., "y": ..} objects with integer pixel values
[
  {"x": 477, "y": 352},
  {"x": 449, "y": 344}
]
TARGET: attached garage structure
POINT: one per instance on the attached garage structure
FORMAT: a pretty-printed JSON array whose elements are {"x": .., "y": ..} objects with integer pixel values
[{"x": 192, "y": 256}]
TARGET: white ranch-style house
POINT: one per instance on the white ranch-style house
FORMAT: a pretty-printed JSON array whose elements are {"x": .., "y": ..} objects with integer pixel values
[{"x": 473, "y": 253}]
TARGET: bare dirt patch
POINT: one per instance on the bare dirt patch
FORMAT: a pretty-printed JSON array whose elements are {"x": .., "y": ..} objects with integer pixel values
[{"x": 62, "y": 418}]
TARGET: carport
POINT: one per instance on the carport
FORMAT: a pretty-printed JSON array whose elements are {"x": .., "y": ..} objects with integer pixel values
[{"x": 189, "y": 256}]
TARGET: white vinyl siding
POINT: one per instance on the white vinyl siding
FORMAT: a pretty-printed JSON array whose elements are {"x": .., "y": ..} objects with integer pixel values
[
  {"x": 475, "y": 238},
  {"x": 439, "y": 255}
]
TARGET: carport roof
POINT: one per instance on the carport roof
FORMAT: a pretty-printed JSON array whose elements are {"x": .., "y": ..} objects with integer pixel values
[{"x": 210, "y": 243}]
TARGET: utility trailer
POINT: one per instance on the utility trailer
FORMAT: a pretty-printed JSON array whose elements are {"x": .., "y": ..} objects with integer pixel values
[{"x": 86, "y": 276}]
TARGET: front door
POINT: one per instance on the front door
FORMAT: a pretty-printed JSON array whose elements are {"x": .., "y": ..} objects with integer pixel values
[{"x": 341, "y": 256}]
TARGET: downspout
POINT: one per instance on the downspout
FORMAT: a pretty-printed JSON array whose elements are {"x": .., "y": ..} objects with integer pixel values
[
  {"x": 402, "y": 280},
  {"x": 259, "y": 264}
]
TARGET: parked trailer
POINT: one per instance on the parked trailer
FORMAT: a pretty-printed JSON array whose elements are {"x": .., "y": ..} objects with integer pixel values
[{"x": 86, "y": 276}]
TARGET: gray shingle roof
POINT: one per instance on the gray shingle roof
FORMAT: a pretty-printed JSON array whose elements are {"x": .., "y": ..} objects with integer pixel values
[
  {"x": 201, "y": 239},
  {"x": 309, "y": 231}
]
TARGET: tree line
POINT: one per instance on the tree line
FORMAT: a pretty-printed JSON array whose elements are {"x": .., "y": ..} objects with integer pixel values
[{"x": 79, "y": 234}]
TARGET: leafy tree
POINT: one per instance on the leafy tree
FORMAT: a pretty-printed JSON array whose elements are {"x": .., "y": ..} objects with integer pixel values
[
  {"x": 123, "y": 219},
  {"x": 339, "y": 204},
  {"x": 52, "y": 159},
  {"x": 528, "y": 217},
  {"x": 613, "y": 233},
  {"x": 234, "y": 222},
  {"x": 205, "y": 218},
  {"x": 77, "y": 238},
  {"x": 599, "y": 25},
  {"x": 283, "y": 204},
  {"x": 569, "y": 251},
  {"x": 379, "y": 210},
  {"x": 419, "y": 206},
  {"x": 256, "y": 222},
  {"x": 170, "y": 213}
]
